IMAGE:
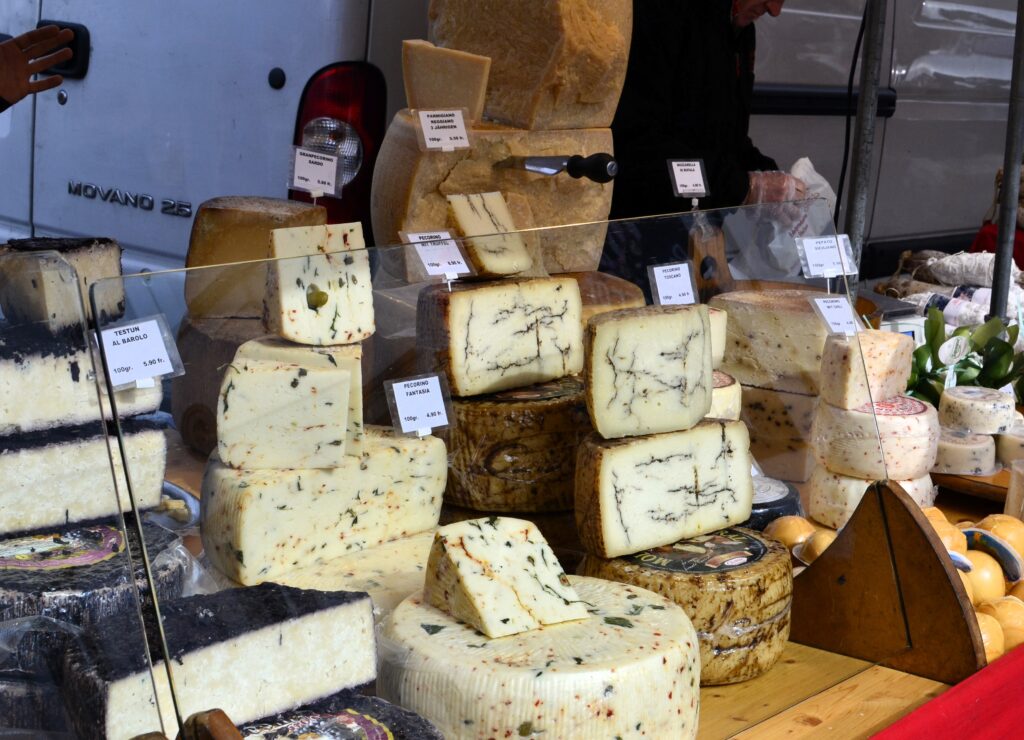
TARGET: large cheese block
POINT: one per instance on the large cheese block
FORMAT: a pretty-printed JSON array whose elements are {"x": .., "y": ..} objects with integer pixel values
[
  {"x": 648, "y": 370},
  {"x": 275, "y": 414},
  {"x": 975, "y": 409},
  {"x": 347, "y": 714},
  {"x": 601, "y": 293},
  {"x": 642, "y": 492},
  {"x": 259, "y": 524},
  {"x": 558, "y": 528},
  {"x": 486, "y": 337},
  {"x": 488, "y": 234},
  {"x": 965, "y": 453},
  {"x": 847, "y": 440},
  {"x": 780, "y": 431},
  {"x": 318, "y": 289},
  {"x": 555, "y": 64},
  {"x": 736, "y": 587},
  {"x": 286, "y": 647},
  {"x": 444, "y": 79},
  {"x": 832, "y": 498},
  {"x": 726, "y": 397},
  {"x": 62, "y": 476},
  {"x": 774, "y": 339},
  {"x": 237, "y": 229},
  {"x": 516, "y": 450},
  {"x": 719, "y": 322},
  {"x": 410, "y": 185},
  {"x": 1010, "y": 445},
  {"x": 73, "y": 577},
  {"x": 32, "y": 361},
  {"x": 498, "y": 575},
  {"x": 591, "y": 678},
  {"x": 871, "y": 366}
]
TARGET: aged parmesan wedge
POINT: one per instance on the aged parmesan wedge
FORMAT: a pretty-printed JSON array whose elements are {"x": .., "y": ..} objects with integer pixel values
[
  {"x": 648, "y": 370},
  {"x": 642, "y": 492},
  {"x": 487, "y": 337},
  {"x": 320, "y": 292},
  {"x": 499, "y": 575},
  {"x": 488, "y": 231},
  {"x": 872, "y": 366},
  {"x": 444, "y": 79}
]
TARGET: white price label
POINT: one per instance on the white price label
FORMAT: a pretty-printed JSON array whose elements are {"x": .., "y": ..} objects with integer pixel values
[
  {"x": 138, "y": 352},
  {"x": 672, "y": 284},
  {"x": 688, "y": 178},
  {"x": 418, "y": 404},
  {"x": 444, "y": 130},
  {"x": 827, "y": 256},
  {"x": 439, "y": 253},
  {"x": 314, "y": 172},
  {"x": 1008, "y": 389},
  {"x": 953, "y": 350},
  {"x": 837, "y": 312}
]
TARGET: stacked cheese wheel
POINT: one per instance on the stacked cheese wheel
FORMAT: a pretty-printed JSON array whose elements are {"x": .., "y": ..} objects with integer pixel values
[
  {"x": 979, "y": 428},
  {"x": 864, "y": 430}
]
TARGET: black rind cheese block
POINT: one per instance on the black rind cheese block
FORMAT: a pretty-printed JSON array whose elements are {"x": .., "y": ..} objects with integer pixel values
[
  {"x": 19, "y": 344},
  {"x": 772, "y": 499},
  {"x": 62, "y": 435},
  {"x": 344, "y": 715},
  {"x": 59, "y": 244},
  {"x": 31, "y": 706},
  {"x": 78, "y": 576}
]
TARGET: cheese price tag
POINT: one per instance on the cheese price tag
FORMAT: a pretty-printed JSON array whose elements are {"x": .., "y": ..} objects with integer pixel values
[
  {"x": 688, "y": 180},
  {"x": 315, "y": 173},
  {"x": 672, "y": 285},
  {"x": 419, "y": 404},
  {"x": 443, "y": 130},
  {"x": 826, "y": 256},
  {"x": 136, "y": 352},
  {"x": 837, "y": 313},
  {"x": 954, "y": 349},
  {"x": 438, "y": 252}
]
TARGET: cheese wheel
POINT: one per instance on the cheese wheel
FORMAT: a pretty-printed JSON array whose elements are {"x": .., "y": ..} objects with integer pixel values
[
  {"x": 964, "y": 453},
  {"x": 986, "y": 576},
  {"x": 719, "y": 322},
  {"x": 979, "y": 410},
  {"x": 790, "y": 530},
  {"x": 735, "y": 585},
  {"x": 1006, "y": 527},
  {"x": 847, "y": 440},
  {"x": 832, "y": 497},
  {"x": 812, "y": 548},
  {"x": 1009, "y": 612},
  {"x": 1010, "y": 445},
  {"x": 516, "y": 450},
  {"x": 726, "y": 397},
  {"x": 871, "y": 366},
  {"x": 601, "y": 293},
  {"x": 991, "y": 636},
  {"x": 772, "y": 499},
  {"x": 589, "y": 678}
]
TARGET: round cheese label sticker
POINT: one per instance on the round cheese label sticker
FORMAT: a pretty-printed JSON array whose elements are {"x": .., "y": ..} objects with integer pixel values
[
  {"x": 68, "y": 549},
  {"x": 347, "y": 725},
  {"x": 717, "y": 552},
  {"x": 898, "y": 406}
]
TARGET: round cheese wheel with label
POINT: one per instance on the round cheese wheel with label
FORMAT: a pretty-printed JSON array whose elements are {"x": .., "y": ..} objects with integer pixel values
[
  {"x": 978, "y": 410},
  {"x": 772, "y": 499},
  {"x": 735, "y": 585},
  {"x": 965, "y": 453},
  {"x": 832, "y": 498},
  {"x": 726, "y": 397},
  {"x": 516, "y": 450},
  {"x": 1010, "y": 445},
  {"x": 591, "y": 677},
  {"x": 847, "y": 441}
]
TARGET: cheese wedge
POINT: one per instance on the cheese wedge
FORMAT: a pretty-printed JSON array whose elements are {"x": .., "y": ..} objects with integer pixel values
[
  {"x": 444, "y": 79},
  {"x": 490, "y": 241},
  {"x": 872, "y": 366}
]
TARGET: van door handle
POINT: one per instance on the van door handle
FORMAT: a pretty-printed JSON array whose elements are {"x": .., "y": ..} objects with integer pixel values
[{"x": 75, "y": 67}]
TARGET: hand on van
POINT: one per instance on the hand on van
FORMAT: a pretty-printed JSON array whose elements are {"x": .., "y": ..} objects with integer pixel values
[{"x": 27, "y": 55}]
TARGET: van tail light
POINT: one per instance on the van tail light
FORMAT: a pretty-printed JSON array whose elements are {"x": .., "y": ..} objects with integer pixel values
[{"x": 342, "y": 113}]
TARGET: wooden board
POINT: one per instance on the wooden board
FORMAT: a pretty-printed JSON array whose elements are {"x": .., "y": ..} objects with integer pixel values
[{"x": 992, "y": 487}]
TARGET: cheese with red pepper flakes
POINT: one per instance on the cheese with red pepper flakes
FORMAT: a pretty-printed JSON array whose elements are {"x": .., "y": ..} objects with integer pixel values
[
  {"x": 319, "y": 291},
  {"x": 259, "y": 524},
  {"x": 499, "y": 575},
  {"x": 630, "y": 669}
]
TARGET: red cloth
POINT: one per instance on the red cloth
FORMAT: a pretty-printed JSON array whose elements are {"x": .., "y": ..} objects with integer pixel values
[
  {"x": 985, "y": 241},
  {"x": 986, "y": 705}
]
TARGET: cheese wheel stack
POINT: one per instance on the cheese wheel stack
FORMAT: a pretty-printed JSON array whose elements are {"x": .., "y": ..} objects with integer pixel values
[
  {"x": 864, "y": 430},
  {"x": 979, "y": 427}
]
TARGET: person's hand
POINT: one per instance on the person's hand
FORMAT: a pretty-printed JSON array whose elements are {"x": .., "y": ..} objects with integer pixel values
[
  {"x": 774, "y": 187},
  {"x": 29, "y": 54}
]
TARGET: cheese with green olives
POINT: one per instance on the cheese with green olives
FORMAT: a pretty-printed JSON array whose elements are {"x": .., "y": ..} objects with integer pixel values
[
  {"x": 976, "y": 409},
  {"x": 319, "y": 290}
]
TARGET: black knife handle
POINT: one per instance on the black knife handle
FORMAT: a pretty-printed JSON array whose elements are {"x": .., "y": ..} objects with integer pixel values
[{"x": 597, "y": 167}]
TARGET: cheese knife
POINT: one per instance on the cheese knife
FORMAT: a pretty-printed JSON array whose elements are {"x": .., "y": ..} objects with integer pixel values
[{"x": 600, "y": 167}]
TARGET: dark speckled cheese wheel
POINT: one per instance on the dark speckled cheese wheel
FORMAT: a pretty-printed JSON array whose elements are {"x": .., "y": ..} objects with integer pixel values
[{"x": 735, "y": 585}]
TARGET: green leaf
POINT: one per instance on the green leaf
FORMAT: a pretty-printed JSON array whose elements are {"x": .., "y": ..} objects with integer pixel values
[
  {"x": 432, "y": 629},
  {"x": 1012, "y": 332},
  {"x": 922, "y": 358},
  {"x": 618, "y": 621},
  {"x": 967, "y": 374},
  {"x": 934, "y": 332},
  {"x": 990, "y": 329},
  {"x": 997, "y": 361}
]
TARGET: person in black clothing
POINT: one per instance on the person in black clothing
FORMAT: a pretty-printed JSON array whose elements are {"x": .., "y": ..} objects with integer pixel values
[{"x": 26, "y": 55}]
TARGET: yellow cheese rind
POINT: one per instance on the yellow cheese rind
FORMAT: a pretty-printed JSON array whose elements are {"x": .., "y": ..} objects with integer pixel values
[
  {"x": 871, "y": 366},
  {"x": 444, "y": 79}
]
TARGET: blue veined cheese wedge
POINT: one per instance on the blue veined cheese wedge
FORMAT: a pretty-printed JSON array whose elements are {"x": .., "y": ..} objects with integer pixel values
[
  {"x": 319, "y": 291},
  {"x": 590, "y": 678}
]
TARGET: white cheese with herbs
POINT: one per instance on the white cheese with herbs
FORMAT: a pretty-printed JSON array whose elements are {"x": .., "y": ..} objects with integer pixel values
[
  {"x": 488, "y": 231},
  {"x": 726, "y": 397},
  {"x": 965, "y": 453},
  {"x": 832, "y": 497},
  {"x": 648, "y": 370},
  {"x": 630, "y": 669},
  {"x": 1010, "y": 445},
  {"x": 871, "y": 366},
  {"x": 642, "y": 492},
  {"x": 976, "y": 409},
  {"x": 499, "y": 575},
  {"x": 319, "y": 290}
]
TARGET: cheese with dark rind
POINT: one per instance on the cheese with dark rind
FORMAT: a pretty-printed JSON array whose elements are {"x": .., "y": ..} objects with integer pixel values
[
  {"x": 516, "y": 450},
  {"x": 30, "y": 705},
  {"x": 601, "y": 293},
  {"x": 735, "y": 585},
  {"x": 976, "y": 409},
  {"x": 648, "y": 370},
  {"x": 871, "y": 366},
  {"x": 642, "y": 492},
  {"x": 444, "y": 79},
  {"x": 588, "y": 678},
  {"x": 287, "y": 646},
  {"x": 772, "y": 499},
  {"x": 488, "y": 337},
  {"x": 237, "y": 229}
]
